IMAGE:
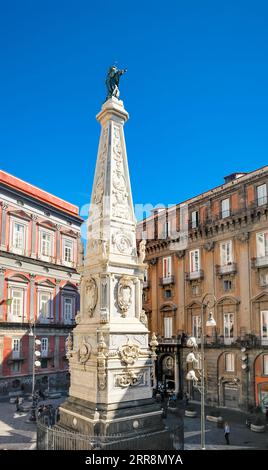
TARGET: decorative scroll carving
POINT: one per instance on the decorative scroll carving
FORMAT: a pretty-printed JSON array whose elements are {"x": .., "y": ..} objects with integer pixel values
[
  {"x": 120, "y": 203},
  {"x": 69, "y": 345},
  {"x": 124, "y": 294},
  {"x": 91, "y": 295},
  {"x": 143, "y": 318},
  {"x": 78, "y": 318},
  {"x": 129, "y": 353},
  {"x": 84, "y": 351},
  {"x": 129, "y": 378},
  {"x": 123, "y": 242},
  {"x": 101, "y": 362}
]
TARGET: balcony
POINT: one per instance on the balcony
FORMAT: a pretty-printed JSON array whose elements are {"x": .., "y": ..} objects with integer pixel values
[
  {"x": 193, "y": 276},
  {"x": 229, "y": 268},
  {"x": 261, "y": 262},
  {"x": 165, "y": 281}
]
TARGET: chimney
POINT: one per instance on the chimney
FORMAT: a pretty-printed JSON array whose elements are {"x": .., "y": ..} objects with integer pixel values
[{"x": 233, "y": 176}]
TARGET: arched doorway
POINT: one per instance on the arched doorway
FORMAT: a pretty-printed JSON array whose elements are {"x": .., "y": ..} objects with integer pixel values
[{"x": 167, "y": 365}]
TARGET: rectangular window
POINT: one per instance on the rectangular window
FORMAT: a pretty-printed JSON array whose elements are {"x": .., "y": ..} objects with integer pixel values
[
  {"x": 168, "y": 327},
  {"x": 195, "y": 289},
  {"x": 17, "y": 303},
  {"x": 44, "y": 305},
  {"x": 229, "y": 362},
  {"x": 264, "y": 326},
  {"x": 196, "y": 326},
  {"x": 18, "y": 236},
  {"x": 68, "y": 310},
  {"x": 228, "y": 325},
  {"x": 262, "y": 244},
  {"x": 15, "y": 348},
  {"x": 225, "y": 208},
  {"x": 262, "y": 194},
  {"x": 167, "y": 267},
  {"x": 46, "y": 244},
  {"x": 68, "y": 250},
  {"x": 194, "y": 260},
  {"x": 226, "y": 253},
  {"x": 44, "y": 363},
  {"x": 167, "y": 229},
  {"x": 16, "y": 367},
  {"x": 44, "y": 346},
  {"x": 227, "y": 285},
  {"x": 194, "y": 219},
  {"x": 168, "y": 294},
  {"x": 265, "y": 364}
]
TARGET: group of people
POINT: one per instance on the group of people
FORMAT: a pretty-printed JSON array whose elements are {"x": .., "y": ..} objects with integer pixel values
[{"x": 48, "y": 414}]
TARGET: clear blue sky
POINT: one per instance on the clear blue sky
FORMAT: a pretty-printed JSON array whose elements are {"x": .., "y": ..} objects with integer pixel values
[{"x": 196, "y": 91}]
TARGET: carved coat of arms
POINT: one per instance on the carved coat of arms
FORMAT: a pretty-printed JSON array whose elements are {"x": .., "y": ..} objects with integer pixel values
[{"x": 125, "y": 294}]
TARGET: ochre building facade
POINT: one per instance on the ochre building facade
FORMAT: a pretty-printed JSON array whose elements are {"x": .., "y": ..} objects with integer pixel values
[{"x": 217, "y": 244}]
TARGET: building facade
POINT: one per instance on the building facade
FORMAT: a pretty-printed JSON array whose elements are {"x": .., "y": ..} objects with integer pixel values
[
  {"x": 40, "y": 247},
  {"x": 215, "y": 243}
]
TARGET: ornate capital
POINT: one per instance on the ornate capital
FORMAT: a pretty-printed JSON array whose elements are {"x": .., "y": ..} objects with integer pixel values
[
  {"x": 152, "y": 261},
  {"x": 180, "y": 254},
  {"x": 243, "y": 237},
  {"x": 4, "y": 205},
  {"x": 209, "y": 246},
  {"x": 34, "y": 217}
]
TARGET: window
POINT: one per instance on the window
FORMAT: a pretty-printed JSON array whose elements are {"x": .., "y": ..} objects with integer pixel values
[
  {"x": 168, "y": 294},
  {"x": 194, "y": 261},
  {"x": 265, "y": 364},
  {"x": 17, "y": 302},
  {"x": 263, "y": 279},
  {"x": 44, "y": 347},
  {"x": 45, "y": 305},
  {"x": 46, "y": 243},
  {"x": 228, "y": 325},
  {"x": 16, "y": 367},
  {"x": 18, "y": 236},
  {"x": 264, "y": 326},
  {"x": 262, "y": 244},
  {"x": 229, "y": 362},
  {"x": 225, "y": 208},
  {"x": 168, "y": 327},
  {"x": 15, "y": 348},
  {"x": 43, "y": 363},
  {"x": 196, "y": 327},
  {"x": 227, "y": 285},
  {"x": 166, "y": 233},
  {"x": 261, "y": 194},
  {"x": 68, "y": 310},
  {"x": 68, "y": 250},
  {"x": 226, "y": 253},
  {"x": 195, "y": 289},
  {"x": 194, "y": 219},
  {"x": 167, "y": 267}
]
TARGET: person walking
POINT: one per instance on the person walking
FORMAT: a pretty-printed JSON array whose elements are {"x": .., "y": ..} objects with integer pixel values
[{"x": 227, "y": 432}]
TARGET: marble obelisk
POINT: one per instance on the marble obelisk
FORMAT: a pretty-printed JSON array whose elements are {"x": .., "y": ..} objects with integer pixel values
[{"x": 110, "y": 361}]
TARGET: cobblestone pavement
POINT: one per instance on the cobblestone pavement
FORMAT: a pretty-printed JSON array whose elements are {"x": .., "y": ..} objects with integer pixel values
[
  {"x": 16, "y": 431},
  {"x": 240, "y": 436}
]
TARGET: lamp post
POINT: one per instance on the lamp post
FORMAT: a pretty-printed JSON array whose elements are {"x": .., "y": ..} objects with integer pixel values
[
  {"x": 153, "y": 345},
  {"x": 36, "y": 363},
  {"x": 208, "y": 300}
]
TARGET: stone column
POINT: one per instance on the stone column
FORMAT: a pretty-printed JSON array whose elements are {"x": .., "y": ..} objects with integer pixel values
[
  {"x": 33, "y": 247},
  {"x": 32, "y": 279},
  {"x": 2, "y": 280},
  {"x": 4, "y": 222},
  {"x": 57, "y": 316}
]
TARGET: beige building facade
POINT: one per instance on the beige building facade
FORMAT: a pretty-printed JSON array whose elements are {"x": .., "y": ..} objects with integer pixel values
[{"x": 215, "y": 243}]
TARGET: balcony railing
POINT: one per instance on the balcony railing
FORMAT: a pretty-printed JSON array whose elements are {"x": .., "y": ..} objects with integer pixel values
[
  {"x": 229, "y": 268},
  {"x": 195, "y": 275},
  {"x": 164, "y": 281},
  {"x": 260, "y": 262}
]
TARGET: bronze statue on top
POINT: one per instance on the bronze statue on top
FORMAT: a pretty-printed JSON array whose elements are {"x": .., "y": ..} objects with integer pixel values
[{"x": 112, "y": 81}]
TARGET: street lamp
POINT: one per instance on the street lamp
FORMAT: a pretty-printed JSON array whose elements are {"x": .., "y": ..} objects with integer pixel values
[
  {"x": 208, "y": 300},
  {"x": 36, "y": 363}
]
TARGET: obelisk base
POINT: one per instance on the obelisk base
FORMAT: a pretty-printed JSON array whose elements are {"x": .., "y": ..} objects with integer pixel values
[{"x": 136, "y": 425}]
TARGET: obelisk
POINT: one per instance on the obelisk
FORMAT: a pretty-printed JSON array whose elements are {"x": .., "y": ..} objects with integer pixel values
[{"x": 110, "y": 361}]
